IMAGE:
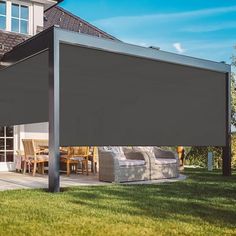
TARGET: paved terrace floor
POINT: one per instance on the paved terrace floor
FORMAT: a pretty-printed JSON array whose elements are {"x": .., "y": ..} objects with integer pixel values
[{"x": 14, "y": 180}]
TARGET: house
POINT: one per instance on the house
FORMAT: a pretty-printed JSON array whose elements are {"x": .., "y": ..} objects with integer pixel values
[{"x": 20, "y": 20}]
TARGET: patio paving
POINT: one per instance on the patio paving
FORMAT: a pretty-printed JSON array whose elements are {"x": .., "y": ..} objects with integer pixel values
[{"x": 14, "y": 180}]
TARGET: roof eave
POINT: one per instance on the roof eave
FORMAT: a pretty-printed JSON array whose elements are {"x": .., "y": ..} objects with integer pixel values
[{"x": 39, "y": 43}]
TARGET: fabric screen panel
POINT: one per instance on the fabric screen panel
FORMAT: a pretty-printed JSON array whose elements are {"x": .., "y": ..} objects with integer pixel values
[
  {"x": 114, "y": 99},
  {"x": 24, "y": 91}
]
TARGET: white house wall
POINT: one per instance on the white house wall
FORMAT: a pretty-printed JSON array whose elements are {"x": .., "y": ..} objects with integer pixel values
[
  {"x": 30, "y": 131},
  {"x": 38, "y": 15},
  {"x": 7, "y": 166}
]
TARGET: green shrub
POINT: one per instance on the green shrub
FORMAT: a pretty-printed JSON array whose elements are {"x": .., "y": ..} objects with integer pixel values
[
  {"x": 234, "y": 150},
  {"x": 198, "y": 156}
]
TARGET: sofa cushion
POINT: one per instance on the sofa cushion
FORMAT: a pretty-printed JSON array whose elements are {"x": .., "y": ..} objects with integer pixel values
[
  {"x": 164, "y": 161},
  {"x": 77, "y": 159},
  {"x": 163, "y": 153},
  {"x": 127, "y": 149},
  {"x": 129, "y": 163},
  {"x": 38, "y": 158}
]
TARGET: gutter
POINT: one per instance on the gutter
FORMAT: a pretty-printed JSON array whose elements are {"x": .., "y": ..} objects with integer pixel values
[{"x": 58, "y": 1}]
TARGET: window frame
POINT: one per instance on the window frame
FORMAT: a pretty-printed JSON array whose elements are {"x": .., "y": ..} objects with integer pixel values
[
  {"x": 19, "y": 18},
  {"x": 5, "y": 138},
  {"x": 3, "y": 1},
  {"x": 30, "y": 6}
]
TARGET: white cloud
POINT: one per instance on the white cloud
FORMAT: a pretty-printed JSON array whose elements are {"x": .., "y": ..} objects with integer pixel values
[
  {"x": 125, "y": 21},
  {"x": 206, "y": 49},
  {"x": 210, "y": 27},
  {"x": 179, "y": 48}
]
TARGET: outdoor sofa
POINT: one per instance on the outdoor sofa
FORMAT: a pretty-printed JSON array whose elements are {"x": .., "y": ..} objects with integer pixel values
[
  {"x": 163, "y": 164},
  {"x": 125, "y": 164},
  {"x": 115, "y": 166}
]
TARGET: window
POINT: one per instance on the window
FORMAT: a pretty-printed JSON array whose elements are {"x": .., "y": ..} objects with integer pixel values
[
  {"x": 3, "y": 17},
  {"x": 6, "y": 144},
  {"x": 19, "y": 18}
]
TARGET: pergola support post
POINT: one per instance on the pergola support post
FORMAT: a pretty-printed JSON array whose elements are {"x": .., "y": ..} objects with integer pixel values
[
  {"x": 227, "y": 149},
  {"x": 54, "y": 106},
  {"x": 227, "y": 160}
]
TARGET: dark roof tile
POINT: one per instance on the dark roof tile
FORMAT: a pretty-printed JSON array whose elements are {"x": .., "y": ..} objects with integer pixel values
[
  {"x": 53, "y": 16},
  {"x": 9, "y": 40},
  {"x": 66, "y": 20}
]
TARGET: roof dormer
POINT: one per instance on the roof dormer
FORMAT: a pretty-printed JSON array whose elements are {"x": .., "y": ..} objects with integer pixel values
[{"x": 23, "y": 16}]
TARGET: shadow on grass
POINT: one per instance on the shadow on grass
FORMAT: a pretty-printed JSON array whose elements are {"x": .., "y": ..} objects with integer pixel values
[
  {"x": 207, "y": 196},
  {"x": 206, "y": 176}
]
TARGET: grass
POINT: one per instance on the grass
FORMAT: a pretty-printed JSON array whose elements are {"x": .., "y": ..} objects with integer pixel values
[{"x": 204, "y": 204}]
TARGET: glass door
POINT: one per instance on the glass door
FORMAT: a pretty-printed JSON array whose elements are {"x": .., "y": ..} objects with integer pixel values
[{"x": 7, "y": 144}]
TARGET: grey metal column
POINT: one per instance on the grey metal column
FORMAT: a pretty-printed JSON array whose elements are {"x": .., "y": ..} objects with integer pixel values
[
  {"x": 54, "y": 106},
  {"x": 227, "y": 149}
]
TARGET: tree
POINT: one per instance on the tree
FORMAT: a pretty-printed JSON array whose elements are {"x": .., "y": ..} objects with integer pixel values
[
  {"x": 234, "y": 150},
  {"x": 233, "y": 109},
  {"x": 233, "y": 92}
]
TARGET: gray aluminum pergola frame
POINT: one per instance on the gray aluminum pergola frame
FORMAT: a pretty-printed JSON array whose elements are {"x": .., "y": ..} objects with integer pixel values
[{"x": 50, "y": 40}]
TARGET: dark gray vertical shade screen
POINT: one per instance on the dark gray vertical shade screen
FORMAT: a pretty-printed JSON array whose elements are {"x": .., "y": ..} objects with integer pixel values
[
  {"x": 112, "y": 99},
  {"x": 24, "y": 91}
]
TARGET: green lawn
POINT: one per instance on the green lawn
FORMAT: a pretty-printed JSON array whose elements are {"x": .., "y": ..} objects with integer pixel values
[{"x": 204, "y": 204}]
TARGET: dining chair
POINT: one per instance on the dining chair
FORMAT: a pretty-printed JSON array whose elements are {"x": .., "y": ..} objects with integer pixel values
[
  {"x": 81, "y": 154},
  {"x": 67, "y": 158},
  {"x": 41, "y": 145},
  {"x": 32, "y": 156}
]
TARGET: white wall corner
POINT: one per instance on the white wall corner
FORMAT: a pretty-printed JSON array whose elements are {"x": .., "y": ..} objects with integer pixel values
[{"x": 38, "y": 16}]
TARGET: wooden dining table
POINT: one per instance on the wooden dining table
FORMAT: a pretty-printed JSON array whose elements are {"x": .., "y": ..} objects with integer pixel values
[{"x": 67, "y": 158}]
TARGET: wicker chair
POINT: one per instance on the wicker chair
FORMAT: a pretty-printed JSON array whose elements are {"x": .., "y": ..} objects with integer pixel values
[
  {"x": 33, "y": 156},
  {"x": 114, "y": 166},
  {"x": 163, "y": 164}
]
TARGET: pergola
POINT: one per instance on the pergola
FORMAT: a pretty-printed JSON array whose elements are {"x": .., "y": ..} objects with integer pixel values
[{"x": 95, "y": 91}]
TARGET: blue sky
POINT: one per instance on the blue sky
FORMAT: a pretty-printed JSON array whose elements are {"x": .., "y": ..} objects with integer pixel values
[{"x": 198, "y": 28}]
